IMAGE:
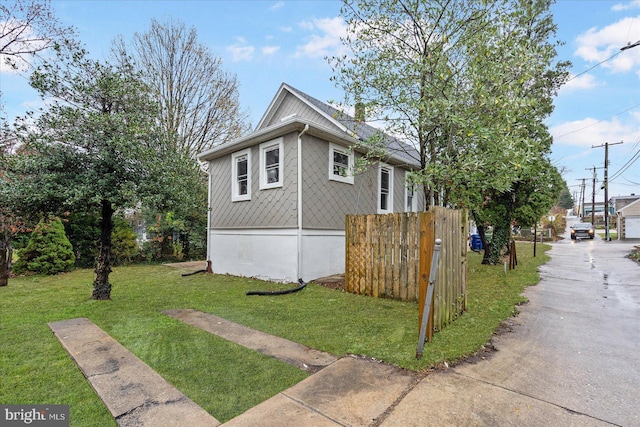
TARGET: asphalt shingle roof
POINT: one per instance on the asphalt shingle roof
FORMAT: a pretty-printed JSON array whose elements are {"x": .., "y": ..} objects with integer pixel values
[{"x": 364, "y": 131}]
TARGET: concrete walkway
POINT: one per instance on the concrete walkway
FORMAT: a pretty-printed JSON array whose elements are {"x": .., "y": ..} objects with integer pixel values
[
  {"x": 291, "y": 352},
  {"x": 355, "y": 391},
  {"x": 571, "y": 360},
  {"x": 133, "y": 392}
]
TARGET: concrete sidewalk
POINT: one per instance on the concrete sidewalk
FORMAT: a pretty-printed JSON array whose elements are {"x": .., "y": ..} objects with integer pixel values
[{"x": 347, "y": 391}]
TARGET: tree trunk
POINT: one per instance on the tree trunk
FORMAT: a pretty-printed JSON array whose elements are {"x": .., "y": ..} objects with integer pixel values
[
  {"x": 101, "y": 286},
  {"x": 482, "y": 232},
  {"x": 4, "y": 264},
  {"x": 499, "y": 240}
]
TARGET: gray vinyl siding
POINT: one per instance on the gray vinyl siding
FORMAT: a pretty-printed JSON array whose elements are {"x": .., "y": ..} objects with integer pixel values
[
  {"x": 292, "y": 105},
  {"x": 271, "y": 208},
  {"x": 326, "y": 202}
]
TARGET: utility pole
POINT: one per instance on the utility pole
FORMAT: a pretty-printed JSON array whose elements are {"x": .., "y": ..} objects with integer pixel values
[
  {"x": 605, "y": 185},
  {"x": 593, "y": 198},
  {"x": 629, "y": 46},
  {"x": 579, "y": 199},
  {"x": 582, "y": 188},
  {"x": 593, "y": 195}
]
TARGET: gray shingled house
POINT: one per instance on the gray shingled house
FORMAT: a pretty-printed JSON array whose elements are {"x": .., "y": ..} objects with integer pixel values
[{"x": 278, "y": 196}]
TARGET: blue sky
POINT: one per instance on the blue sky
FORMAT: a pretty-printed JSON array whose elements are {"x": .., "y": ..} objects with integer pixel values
[{"x": 267, "y": 42}]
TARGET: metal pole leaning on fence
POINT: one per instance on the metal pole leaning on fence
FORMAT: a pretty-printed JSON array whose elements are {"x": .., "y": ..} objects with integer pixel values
[{"x": 427, "y": 304}]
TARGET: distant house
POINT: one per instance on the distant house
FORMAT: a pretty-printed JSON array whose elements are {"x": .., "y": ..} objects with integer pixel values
[
  {"x": 598, "y": 209},
  {"x": 278, "y": 196},
  {"x": 618, "y": 202},
  {"x": 629, "y": 220}
]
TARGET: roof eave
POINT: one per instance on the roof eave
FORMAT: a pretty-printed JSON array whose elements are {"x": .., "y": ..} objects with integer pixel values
[
  {"x": 253, "y": 139},
  {"x": 295, "y": 124}
]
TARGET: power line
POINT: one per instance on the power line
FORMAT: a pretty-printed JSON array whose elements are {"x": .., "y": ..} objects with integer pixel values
[
  {"x": 600, "y": 63},
  {"x": 606, "y": 186},
  {"x": 622, "y": 49},
  {"x": 599, "y": 121},
  {"x": 629, "y": 163},
  {"x": 626, "y": 166}
]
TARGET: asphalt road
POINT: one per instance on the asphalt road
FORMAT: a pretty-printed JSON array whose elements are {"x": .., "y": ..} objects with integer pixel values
[{"x": 576, "y": 344}]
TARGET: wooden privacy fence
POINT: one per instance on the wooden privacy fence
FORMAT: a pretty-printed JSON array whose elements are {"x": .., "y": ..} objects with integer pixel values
[{"x": 389, "y": 256}]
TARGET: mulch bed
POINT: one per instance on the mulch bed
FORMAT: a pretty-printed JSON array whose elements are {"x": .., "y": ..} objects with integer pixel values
[{"x": 335, "y": 282}]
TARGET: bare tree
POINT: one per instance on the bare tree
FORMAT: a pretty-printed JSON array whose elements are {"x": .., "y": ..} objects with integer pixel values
[
  {"x": 199, "y": 101},
  {"x": 26, "y": 28}
]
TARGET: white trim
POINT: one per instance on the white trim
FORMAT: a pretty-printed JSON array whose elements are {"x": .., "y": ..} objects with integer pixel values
[
  {"x": 235, "y": 196},
  {"x": 299, "y": 201},
  {"x": 342, "y": 150},
  {"x": 209, "y": 210},
  {"x": 265, "y": 146},
  {"x": 256, "y": 231},
  {"x": 319, "y": 232},
  {"x": 414, "y": 200},
  {"x": 629, "y": 205},
  {"x": 389, "y": 208},
  {"x": 281, "y": 94}
]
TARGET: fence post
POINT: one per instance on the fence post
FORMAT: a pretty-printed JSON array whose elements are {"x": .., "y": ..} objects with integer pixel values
[{"x": 427, "y": 304}]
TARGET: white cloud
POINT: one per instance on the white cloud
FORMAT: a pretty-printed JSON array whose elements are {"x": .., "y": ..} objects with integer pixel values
[
  {"x": 585, "y": 81},
  {"x": 241, "y": 51},
  {"x": 589, "y": 132},
  {"x": 635, "y": 4},
  {"x": 326, "y": 38},
  {"x": 270, "y": 50},
  {"x": 277, "y": 5},
  {"x": 597, "y": 45}
]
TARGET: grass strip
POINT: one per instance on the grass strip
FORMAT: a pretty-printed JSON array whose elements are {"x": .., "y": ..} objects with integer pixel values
[{"x": 222, "y": 377}]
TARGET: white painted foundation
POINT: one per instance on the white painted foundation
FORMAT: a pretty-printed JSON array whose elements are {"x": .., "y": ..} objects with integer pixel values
[{"x": 273, "y": 254}]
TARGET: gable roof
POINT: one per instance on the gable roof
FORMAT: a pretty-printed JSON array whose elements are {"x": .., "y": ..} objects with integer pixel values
[
  {"x": 348, "y": 131},
  {"x": 636, "y": 202}
]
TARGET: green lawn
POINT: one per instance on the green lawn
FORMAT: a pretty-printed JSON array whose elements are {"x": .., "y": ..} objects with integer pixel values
[
  {"x": 613, "y": 234},
  {"x": 222, "y": 377}
]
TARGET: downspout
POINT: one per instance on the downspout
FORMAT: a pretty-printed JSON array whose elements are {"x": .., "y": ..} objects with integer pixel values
[
  {"x": 209, "y": 270},
  {"x": 299, "y": 236}
]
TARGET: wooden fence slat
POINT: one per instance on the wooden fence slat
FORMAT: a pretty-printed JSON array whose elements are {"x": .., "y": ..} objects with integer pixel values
[
  {"x": 362, "y": 226},
  {"x": 390, "y": 256}
]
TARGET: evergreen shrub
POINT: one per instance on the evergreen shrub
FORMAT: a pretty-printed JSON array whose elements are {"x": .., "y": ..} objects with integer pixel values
[{"x": 47, "y": 252}]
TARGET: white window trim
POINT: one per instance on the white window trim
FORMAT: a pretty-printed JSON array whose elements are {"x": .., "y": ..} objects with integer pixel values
[
  {"x": 264, "y": 185},
  {"x": 333, "y": 177},
  {"x": 414, "y": 201},
  {"x": 389, "y": 209},
  {"x": 235, "y": 197}
]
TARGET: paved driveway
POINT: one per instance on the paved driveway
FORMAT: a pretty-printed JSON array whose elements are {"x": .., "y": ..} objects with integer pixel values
[{"x": 575, "y": 345}]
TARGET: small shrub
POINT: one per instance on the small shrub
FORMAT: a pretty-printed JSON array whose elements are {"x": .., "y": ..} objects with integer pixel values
[
  {"x": 124, "y": 245},
  {"x": 48, "y": 250}
]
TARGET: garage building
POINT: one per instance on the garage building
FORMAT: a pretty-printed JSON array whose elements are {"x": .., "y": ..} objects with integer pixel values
[{"x": 629, "y": 221}]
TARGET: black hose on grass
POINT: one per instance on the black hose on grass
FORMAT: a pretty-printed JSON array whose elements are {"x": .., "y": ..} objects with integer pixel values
[
  {"x": 193, "y": 272},
  {"x": 283, "y": 292}
]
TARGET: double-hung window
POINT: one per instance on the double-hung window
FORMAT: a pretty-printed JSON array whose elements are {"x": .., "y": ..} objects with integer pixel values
[
  {"x": 271, "y": 157},
  {"x": 410, "y": 197},
  {"x": 241, "y": 175},
  {"x": 340, "y": 164},
  {"x": 385, "y": 189}
]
